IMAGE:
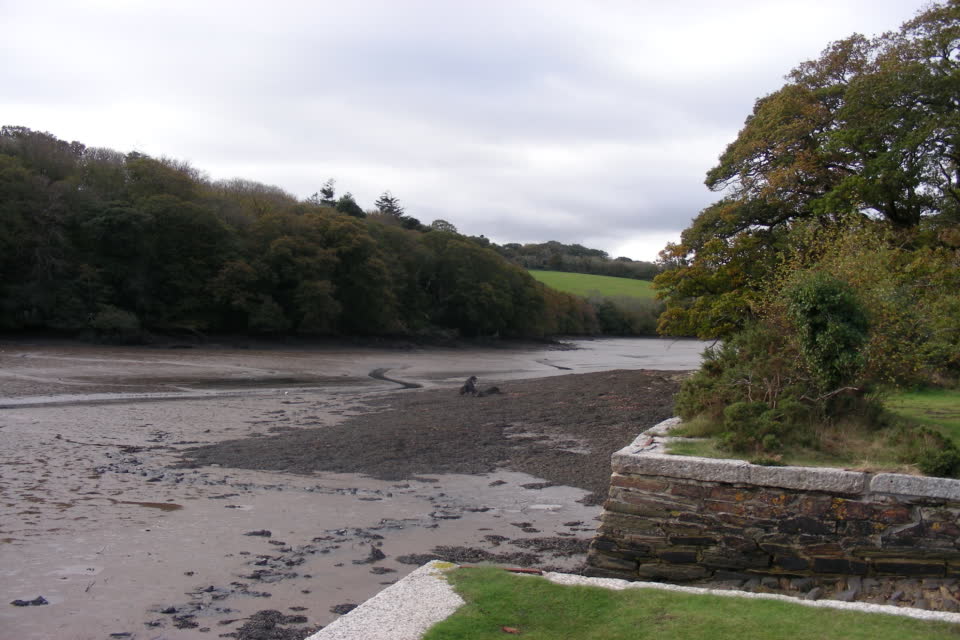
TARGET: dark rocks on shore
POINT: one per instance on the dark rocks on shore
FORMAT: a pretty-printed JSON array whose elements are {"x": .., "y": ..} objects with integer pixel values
[
  {"x": 341, "y": 609},
  {"x": 36, "y": 602},
  {"x": 269, "y": 625},
  {"x": 429, "y": 432}
]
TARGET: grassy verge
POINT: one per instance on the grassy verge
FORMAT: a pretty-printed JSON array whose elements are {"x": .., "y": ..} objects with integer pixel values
[
  {"x": 582, "y": 284},
  {"x": 501, "y": 605},
  {"x": 850, "y": 446}
]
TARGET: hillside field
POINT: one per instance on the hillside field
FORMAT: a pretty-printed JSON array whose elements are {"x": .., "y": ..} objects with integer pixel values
[{"x": 582, "y": 284}]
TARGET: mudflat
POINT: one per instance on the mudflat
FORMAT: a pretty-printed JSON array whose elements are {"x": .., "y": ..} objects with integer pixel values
[{"x": 188, "y": 493}]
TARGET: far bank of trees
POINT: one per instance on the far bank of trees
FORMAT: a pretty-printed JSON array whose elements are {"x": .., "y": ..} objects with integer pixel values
[
  {"x": 575, "y": 258},
  {"x": 95, "y": 240}
]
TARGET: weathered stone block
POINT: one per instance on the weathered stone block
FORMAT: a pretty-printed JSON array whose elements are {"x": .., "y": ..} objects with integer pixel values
[
  {"x": 908, "y": 567},
  {"x": 943, "y": 530},
  {"x": 904, "y": 485},
  {"x": 677, "y": 572},
  {"x": 638, "y": 510},
  {"x": 815, "y": 506},
  {"x": 824, "y": 549},
  {"x": 896, "y": 514},
  {"x": 803, "y": 524},
  {"x": 739, "y": 543},
  {"x": 779, "y": 549},
  {"x": 678, "y": 555},
  {"x": 643, "y": 483},
  {"x": 727, "y": 559},
  {"x": 790, "y": 563},
  {"x": 842, "y": 509},
  {"x": 839, "y": 565},
  {"x": 728, "y": 493},
  {"x": 938, "y": 514},
  {"x": 700, "y": 519},
  {"x": 696, "y": 541},
  {"x": 809, "y": 479},
  {"x": 603, "y": 560},
  {"x": 616, "y": 523},
  {"x": 687, "y": 490},
  {"x": 690, "y": 468},
  {"x": 735, "y": 508},
  {"x": 860, "y": 528}
]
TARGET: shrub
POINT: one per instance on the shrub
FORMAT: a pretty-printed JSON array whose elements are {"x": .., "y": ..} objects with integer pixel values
[{"x": 831, "y": 328}]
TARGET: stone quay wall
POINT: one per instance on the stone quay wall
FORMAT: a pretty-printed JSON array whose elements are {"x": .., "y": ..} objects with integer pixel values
[{"x": 681, "y": 518}]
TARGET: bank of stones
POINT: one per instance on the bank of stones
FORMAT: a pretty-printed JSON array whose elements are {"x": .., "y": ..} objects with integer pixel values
[{"x": 884, "y": 538}]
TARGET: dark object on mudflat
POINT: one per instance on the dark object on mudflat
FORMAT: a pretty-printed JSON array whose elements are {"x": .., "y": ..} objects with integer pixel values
[
  {"x": 266, "y": 625},
  {"x": 260, "y": 532},
  {"x": 375, "y": 555},
  {"x": 469, "y": 387},
  {"x": 489, "y": 391},
  {"x": 185, "y": 621},
  {"x": 382, "y": 570},
  {"x": 36, "y": 602},
  {"x": 341, "y": 609}
]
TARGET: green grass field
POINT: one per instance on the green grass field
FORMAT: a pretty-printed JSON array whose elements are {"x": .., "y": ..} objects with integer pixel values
[
  {"x": 501, "y": 605},
  {"x": 937, "y": 408},
  {"x": 585, "y": 285}
]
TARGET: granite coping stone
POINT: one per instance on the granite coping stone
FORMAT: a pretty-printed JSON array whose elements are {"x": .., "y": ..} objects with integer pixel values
[{"x": 646, "y": 455}]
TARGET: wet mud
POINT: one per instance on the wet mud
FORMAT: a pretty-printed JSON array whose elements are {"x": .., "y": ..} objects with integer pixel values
[{"x": 141, "y": 496}]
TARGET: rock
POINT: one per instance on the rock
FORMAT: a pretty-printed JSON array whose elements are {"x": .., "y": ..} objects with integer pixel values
[
  {"x": 36, "y": 602},
  {"x": 848, "y": 595},
  {"x": 802, "y": 584},
  {"x": 770, "y": 583},
  {"x": 341, "y": 609},
  {"x": 814, "y": 594},
  {"x": 921, "y": 603},
  {"x": 375, "y": 555},
  {"x": 259, "y": 532}
]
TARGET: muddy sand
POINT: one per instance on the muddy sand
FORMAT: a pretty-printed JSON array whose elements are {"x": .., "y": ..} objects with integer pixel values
[{"x": 149, "y": 493}]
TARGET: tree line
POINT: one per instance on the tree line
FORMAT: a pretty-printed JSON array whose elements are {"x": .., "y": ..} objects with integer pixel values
[
  {"x": 830, "y": 264},
  {"x": 96, "y": 240},
  {"x": 575, "y": 258}
]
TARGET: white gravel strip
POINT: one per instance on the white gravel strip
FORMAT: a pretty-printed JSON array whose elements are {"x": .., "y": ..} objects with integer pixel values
[
  {"x": 613, "y": 583},
  {"x": 402, "y": 611}
]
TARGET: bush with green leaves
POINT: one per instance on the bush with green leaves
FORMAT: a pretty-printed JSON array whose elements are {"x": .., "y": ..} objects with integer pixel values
[{"x": 831, "y": 328}]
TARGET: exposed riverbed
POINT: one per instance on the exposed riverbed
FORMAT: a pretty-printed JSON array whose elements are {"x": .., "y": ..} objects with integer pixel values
[{"x": 138, "y": 486}]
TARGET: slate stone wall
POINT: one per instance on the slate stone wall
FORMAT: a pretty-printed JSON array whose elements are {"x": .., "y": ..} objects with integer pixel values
[{"x": 678, "y": 518}]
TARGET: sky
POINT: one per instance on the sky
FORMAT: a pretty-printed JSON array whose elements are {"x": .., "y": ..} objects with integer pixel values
[{"x": 590, "y": 122}]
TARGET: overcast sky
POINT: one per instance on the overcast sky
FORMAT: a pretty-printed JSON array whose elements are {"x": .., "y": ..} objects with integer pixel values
[{"x": 591, "y": 122}]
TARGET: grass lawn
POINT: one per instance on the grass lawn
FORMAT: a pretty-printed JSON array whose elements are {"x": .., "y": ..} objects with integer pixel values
[
  {"x": 501, "y": 605},
  {"x": 938, "y": 408},
  {"x": 582, "y": 284}
]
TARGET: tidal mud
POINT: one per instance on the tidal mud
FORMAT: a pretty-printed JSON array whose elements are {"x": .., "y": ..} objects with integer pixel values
[{"x": 131, "y": 478}]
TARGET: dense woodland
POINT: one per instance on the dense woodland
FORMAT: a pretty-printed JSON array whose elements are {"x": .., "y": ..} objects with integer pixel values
[
  {"x": 116, "y": 244},
  {"x": 830, "y": 265}
]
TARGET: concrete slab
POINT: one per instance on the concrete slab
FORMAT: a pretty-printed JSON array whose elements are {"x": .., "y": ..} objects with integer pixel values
[{"x": 402, "y": 611}]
